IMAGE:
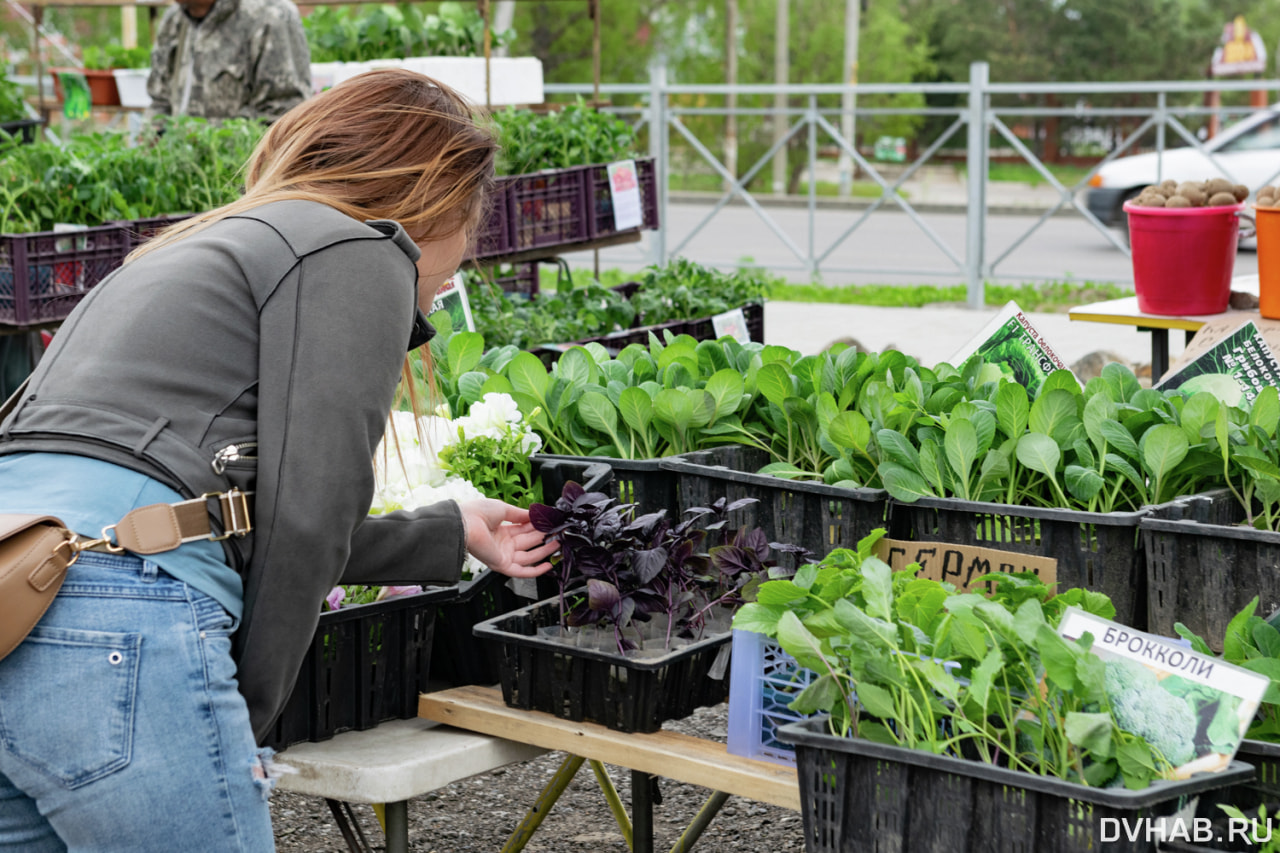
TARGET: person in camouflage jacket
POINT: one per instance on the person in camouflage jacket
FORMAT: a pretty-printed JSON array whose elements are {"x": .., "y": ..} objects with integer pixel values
[{"x": 229, "y": 59}]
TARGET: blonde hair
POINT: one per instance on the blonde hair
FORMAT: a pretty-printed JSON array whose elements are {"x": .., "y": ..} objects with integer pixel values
[{"x": 386, "y": 144}]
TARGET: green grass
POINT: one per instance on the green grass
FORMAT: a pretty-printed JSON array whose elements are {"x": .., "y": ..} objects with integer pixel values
[
  {"x": 1025, "y": 173},
  {"x": 714, "y": 183},
  {"x": 1049, "y": 297}
]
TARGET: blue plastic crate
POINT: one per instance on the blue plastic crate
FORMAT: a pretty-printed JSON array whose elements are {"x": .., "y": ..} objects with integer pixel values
[{"x": 763, "y": 679}]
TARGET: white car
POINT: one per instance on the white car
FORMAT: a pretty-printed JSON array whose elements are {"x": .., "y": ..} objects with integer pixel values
[{"x": 1248, "y": 151}]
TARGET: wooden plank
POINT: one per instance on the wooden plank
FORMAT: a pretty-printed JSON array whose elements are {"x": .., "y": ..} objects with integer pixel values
[{"x": 668, "y": 754}]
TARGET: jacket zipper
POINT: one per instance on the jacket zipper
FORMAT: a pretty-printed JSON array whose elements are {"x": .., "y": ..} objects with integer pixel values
[{"x": 234, "y": 453}]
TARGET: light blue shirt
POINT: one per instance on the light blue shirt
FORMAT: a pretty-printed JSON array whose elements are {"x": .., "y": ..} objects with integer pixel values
[{"x": 88, "y": 495}]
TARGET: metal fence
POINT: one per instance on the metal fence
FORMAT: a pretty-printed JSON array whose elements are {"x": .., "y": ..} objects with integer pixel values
[{"x": 982, "y": 111}]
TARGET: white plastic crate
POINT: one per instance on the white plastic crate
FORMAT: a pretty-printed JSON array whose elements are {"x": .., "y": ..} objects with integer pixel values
[{"x": 763, "y": 679}]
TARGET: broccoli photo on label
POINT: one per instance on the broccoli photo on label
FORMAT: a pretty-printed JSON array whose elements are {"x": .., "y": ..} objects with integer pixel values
[{"x": 1141, "y": 706}]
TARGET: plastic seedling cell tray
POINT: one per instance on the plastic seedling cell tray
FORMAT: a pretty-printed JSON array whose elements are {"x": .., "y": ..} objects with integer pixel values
[
  {"x": 623, "y": 693},
  {"x": 856, "y": 795}
]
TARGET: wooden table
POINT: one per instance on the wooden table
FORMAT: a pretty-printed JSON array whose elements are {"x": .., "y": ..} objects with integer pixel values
[
  {"x": 391, "y": 763},
  {"x": 1125, "y": 312},
  {"x": 661, "y": 754}
]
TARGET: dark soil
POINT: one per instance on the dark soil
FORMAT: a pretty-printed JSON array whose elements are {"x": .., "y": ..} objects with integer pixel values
[{"x": 479, "y": 814}]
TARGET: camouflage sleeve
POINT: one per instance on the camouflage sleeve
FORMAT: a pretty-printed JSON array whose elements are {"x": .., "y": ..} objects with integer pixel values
[
  {"x": 281, "y": 65},
  {"x": 163, "y": 55}
]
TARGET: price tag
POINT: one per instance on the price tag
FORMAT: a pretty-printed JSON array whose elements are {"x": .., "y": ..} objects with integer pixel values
[
  {"x": 732, "y": 323},
  {"x": 624, "y": 187}
]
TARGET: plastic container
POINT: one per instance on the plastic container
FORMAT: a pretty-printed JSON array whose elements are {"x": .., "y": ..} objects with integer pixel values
[
  {"x": 856, "y": 795},
  {"x": 366, "y": 665},
  {"x": 1268, "y": 223},
  {"x": 458, "y": 657},
  {"x": 763, "y": 679},
  {"x": 626, "y": 694},
  {"x": 25, "y": 129},
  {"x": 131, "y": 83},
  {"x": 44, "y": 275},
  {"x": 1183, "y": 257},
  {"x": 1100, "y": 551},
  {"x": 816, "y": 516},
  {"x": 1204, "y": 565}
]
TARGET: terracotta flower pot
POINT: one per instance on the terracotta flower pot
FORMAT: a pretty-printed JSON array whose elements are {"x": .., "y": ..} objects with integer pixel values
[{"x": 102, "y": 86}]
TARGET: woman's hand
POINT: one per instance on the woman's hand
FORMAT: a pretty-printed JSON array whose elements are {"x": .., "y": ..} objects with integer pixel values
[{"x": 500, "y": 536}]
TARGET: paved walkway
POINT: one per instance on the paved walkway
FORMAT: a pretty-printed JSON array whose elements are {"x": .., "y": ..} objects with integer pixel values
[{"x": 935, "y": 333}]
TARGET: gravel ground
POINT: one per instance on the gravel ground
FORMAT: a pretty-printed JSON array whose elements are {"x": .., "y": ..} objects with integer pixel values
[{"x": 478, "y": 814}]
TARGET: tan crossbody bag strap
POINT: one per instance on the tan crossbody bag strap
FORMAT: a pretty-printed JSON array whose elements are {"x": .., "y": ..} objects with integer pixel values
[
  {"x": 162, "y": 527},
  {"x": 36, "y": 550}
]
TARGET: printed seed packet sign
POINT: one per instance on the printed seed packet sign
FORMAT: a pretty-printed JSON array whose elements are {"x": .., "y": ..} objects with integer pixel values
[
  {"x": 75, "y": 94},
  {"x": 624, "y": 187},
  {"x": 1234, "y": 368},
  {"x": 1194, "y": 707},
  {"x": 732, "y": 323},
  {"x": 1010, "y": 339},
  {"x": 452, "y": 298}
]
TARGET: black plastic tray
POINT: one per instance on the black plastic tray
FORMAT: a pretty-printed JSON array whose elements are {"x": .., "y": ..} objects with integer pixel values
[
  {"x": 622, "y": 693},
  {"x": 366, "y": 665},
  {"x": 1100, "y": 551},
  {"x": 856, "y": 795},
  {"x": 1203, "y": 566}
]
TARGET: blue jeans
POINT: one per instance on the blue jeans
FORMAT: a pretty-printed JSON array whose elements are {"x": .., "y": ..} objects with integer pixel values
[{"x": 121, "y": 728}]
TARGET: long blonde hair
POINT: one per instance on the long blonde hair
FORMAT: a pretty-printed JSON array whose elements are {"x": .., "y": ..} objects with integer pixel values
[{"x": 386, "y": 144}]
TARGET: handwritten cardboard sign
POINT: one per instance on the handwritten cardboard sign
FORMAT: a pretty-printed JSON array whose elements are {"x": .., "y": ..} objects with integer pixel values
[{"x": 960, "y": 564}]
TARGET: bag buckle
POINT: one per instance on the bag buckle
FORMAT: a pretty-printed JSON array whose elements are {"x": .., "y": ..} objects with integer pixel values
[
  {"x": 105, "y": 541},
  {"x": 236, "y": 520}
]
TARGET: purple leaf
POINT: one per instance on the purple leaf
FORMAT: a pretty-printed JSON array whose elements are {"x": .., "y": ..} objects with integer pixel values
[
  {"x": 646, "y": 564},
  {"x": 754, "y": 540},
  {"x": 602, "y": 596},
  {"x": 545, "y": 519}
]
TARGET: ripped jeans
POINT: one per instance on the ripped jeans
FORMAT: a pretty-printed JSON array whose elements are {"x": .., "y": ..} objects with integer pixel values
[{"x": 121, "y": 728}]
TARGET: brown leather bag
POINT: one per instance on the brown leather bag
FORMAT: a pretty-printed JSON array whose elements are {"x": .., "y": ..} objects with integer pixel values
[{"x": 35, "y": 551}]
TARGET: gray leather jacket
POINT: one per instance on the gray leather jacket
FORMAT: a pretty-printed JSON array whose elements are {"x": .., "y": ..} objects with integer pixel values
[{"x": 287, "y": 327}]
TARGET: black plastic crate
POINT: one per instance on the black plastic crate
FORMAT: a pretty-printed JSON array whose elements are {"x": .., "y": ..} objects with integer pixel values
[
  {"x": 44, "y": 275},
  {"x": 581, "y": 684},
  {"x": 1204, "y": 566},
  {"x": 1095, "y": 550},
  {"x": 458, "y": 657},
  {"x": 702, "y": 329},
  {"x": 495, "y": 236},
  {"x": 366, "y": 665},
  {"x": 1264, "y": 758},
  {"x": 26, "y": 129},
  {"x": 862, "y": 797},
  {"x": 816, "y": 516},
  {"x": 601, "y": 221},
  {"x": 142, "y": 230},
  {"x": 550, "y": 208}
]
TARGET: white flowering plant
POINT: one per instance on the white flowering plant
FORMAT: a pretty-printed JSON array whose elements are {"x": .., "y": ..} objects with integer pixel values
[{"x": 422, "y": 461}]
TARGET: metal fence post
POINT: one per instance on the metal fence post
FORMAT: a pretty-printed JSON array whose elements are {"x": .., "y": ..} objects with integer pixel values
[
  {"x": 976, "y": 163},
  {"x": 658, "y": 150}
]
